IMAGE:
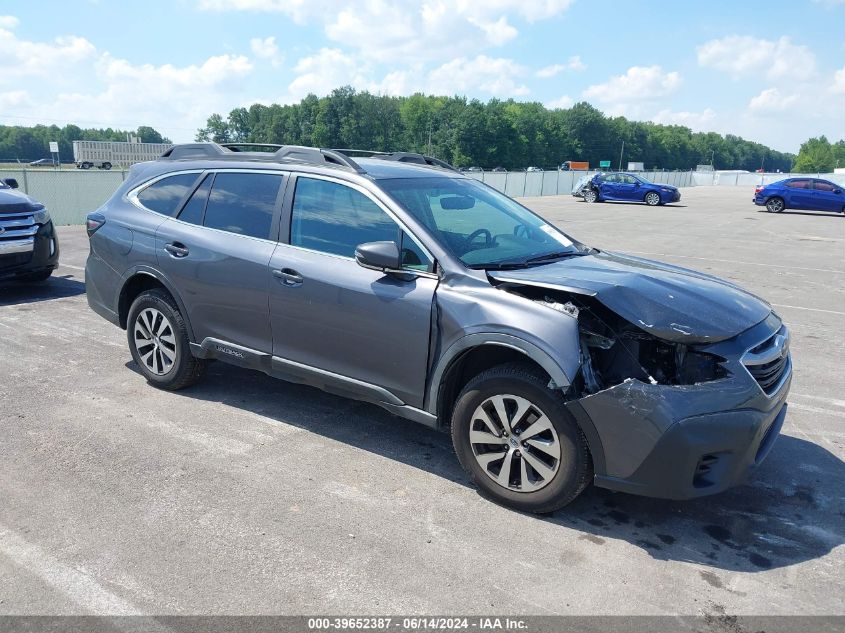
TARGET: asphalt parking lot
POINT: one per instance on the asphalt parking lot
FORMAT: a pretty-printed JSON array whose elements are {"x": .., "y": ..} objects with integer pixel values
[{"x": 249, "y": 495}]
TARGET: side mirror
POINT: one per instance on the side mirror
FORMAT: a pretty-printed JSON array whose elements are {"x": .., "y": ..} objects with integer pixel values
[
  {"x": 12, "y": 182},
  {"x": 837, "y": 192},
  {"x": 383, "y": 256}
]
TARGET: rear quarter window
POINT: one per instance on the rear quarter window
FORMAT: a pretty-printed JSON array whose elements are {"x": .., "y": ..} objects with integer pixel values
[{"x": 164, "y": 196}]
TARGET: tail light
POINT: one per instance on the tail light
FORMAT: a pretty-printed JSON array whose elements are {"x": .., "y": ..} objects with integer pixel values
[
  {"x": 94, "y": 221},
  {"x": 758, "y": 189}
]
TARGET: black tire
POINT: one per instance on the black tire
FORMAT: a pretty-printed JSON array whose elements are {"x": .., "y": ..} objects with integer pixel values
[
  {"x": 591, "y": 195},
  {"x": 41, "y": 275},
  {"x": 775, "y": 204},
  {"x": 86, "y": 165},
  {"x": 652, "y": 199},
  {"x": 106, "y": 166},
  {"x": 185, "y": 369},
  {"x": 574, "y": 466}
]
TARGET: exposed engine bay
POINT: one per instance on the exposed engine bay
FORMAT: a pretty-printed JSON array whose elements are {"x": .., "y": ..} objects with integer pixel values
[{"x": 614, "y": 350}]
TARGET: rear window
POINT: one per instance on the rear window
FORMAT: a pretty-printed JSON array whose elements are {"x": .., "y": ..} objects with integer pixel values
[{"x": 165, "y": 195}]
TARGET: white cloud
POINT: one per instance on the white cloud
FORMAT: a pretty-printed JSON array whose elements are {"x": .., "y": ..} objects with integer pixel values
[
  {"x": 743, "y": 55},
  {"x": 561, "y": 102},
  {"x": 8, "y": 21},
  {"x": 324, "y": 71},
  {"x": 266, "y": 48},
  {"x": 13, "y": 98},
  {"x": 23, "y": 58},
  {"x": 425, "y": 30},
  {"x": 695, "y": 120},
  {"x": 639, "y": 83},
  {"x": 495, "y": 76},
  {"x": 838, "y": 86},
  {"x": 771, "y": 100},
  {"x": 574, "y": 63}
]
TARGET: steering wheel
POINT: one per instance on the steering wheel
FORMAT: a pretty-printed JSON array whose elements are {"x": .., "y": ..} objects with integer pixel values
[
  {"x": 488, "y": 237},
  {"x": 522, "y": 228}
]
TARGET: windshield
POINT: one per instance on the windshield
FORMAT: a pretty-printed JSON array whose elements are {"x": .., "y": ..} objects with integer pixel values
[{"x": 478, "y": 225}]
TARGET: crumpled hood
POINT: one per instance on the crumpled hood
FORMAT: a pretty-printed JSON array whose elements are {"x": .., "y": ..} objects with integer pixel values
[
  {"x": 670, "y": 302},
  {"x": 15, "y": 201}
]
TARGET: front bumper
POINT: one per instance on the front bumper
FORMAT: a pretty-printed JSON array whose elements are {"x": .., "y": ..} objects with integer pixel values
[
  {"x": 30, "y": 255},
  {"x": 685, "y": 441}
]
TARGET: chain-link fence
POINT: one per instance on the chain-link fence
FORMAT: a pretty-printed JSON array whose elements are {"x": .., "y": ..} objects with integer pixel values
[{"x": 71, "y": 194}]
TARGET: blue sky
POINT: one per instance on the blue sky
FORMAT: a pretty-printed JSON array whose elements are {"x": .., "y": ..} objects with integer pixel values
[{"x": 770, "y": 71}]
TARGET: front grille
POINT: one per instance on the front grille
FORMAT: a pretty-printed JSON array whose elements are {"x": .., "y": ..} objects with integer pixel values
[
  {"x": 768, "y": 362},
  {"x": 16, "y": 226}
]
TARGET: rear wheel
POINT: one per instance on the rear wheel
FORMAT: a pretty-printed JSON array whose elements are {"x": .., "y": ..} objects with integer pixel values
[
  {"x": 775, "y": 205},
  {"x": 158, "y": 341},
  {"x": 591, "y": 195},
  {"x": 652, "y": 198},
  {"x": 518, "y": 442},
  {"x": 106, "y": 165}
]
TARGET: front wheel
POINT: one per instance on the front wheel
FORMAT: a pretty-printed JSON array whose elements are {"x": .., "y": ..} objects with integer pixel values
[
  {"x": 652, "y": 198},
  {"x": 158, "y": 341},
  {"x": 775, "y": 205},
  {"x": 591, "y": 195},
  {"x": 518, "y": 442}
]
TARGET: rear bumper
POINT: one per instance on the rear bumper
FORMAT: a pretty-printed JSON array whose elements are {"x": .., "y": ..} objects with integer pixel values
[{"x": 30, "y": 255}]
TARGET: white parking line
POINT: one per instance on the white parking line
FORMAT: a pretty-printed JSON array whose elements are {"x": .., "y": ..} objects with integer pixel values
[
  {"x": 734, "y": 261},
  {"x": 832, "y": 401},
  {"x": 783, "y": 305},
  {"x": 61, "y": 265},
  {"x": 76, "y": 585}
]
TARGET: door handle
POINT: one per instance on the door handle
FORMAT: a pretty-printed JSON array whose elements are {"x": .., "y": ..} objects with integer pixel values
[
  {"x": 288, "y": 277},
  {"x": 176, "y": 249}
]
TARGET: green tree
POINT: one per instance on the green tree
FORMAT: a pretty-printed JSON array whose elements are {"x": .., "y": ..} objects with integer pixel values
[{"x": 815, "y": 155}]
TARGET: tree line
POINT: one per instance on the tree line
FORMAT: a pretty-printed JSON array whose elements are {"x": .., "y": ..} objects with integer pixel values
[
  {"x": 488, "y": 134},
  {"x": 19, "y": 143},
  {"x": 820, "y": 155}
]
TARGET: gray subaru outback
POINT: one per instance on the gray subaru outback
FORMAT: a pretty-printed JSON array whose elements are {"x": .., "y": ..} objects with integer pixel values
[{"x": 394, "y": 279}]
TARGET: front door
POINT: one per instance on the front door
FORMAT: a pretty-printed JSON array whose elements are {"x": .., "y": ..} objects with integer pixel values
[{"x": 329, "y": 313}]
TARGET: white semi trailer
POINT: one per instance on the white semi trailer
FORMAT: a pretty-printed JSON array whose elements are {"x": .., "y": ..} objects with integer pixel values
[{"x": 108, "y": 154}]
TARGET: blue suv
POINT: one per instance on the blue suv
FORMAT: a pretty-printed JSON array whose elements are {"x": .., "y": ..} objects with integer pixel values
[{"x": 811, "y": 194}]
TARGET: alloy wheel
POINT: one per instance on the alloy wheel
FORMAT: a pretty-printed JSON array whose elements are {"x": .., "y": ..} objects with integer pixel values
[
  {"x": 514, "y": 443},
  {"x": 652, "y": 199},
  {"x": 775, "y": 205},
  {"x": 155, "y": 341},
  {"x": 590, "y": 196}
]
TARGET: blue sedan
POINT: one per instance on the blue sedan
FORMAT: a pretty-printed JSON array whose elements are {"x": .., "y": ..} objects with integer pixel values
[
  {"x": 627, "y": 188},
  {"x": 812, "y": 194}
]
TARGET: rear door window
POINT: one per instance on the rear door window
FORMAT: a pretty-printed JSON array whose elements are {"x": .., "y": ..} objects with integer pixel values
[
  {"x": 164, "y": 196},
  {"x": 194, "y": 208},
  {"x": 799, "y": 184},
  {"x": 243, "y": 203}
]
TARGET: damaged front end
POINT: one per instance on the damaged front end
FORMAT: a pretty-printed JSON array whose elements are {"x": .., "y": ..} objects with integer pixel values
[
  {"x": 669, "y": 418},
  {"x": 614, "y": 350}
]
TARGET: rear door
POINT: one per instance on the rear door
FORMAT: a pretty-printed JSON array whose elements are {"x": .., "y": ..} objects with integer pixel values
[
  {"x": 216, "y": 253},
  {"x": 798, "y": 194},
  {"x": 329, "y": 313},
  {"x": 828, "y": 196},
  {"x": 608, "y": 187}
]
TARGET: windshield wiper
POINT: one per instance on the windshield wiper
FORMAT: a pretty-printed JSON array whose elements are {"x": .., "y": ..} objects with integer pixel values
[
  {"x": 531, "y": 261},
  {"x": 550, "y": 257}
]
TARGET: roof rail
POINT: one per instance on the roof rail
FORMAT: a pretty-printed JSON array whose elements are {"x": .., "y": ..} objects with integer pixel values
[
  {"x": 401, "y": 157},
  {"x": 234, "y": 151},
  {"x": 251, "y": 147}
]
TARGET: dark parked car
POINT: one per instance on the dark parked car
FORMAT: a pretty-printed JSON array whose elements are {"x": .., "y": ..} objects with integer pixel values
[
  {"x": 627, "y": 188},
  {"x": 29, "y": 248},
  {"x": 397, "y": 281},
  {"x": 812, "y": 194}
]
